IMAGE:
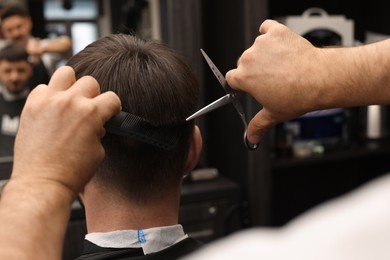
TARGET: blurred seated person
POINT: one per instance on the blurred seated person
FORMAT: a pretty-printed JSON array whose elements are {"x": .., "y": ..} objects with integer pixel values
[
  {"x": 15, "y": 72},
  {"x": 16, "y": 26},
  {"x": 132, "y": 202}
]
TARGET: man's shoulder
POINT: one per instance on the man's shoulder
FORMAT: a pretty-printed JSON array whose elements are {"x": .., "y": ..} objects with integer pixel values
[{"x": 180, "y": 249}]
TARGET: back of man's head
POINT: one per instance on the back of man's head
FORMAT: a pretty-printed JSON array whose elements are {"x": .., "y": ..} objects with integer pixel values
[{"x": 154, "y": 83}]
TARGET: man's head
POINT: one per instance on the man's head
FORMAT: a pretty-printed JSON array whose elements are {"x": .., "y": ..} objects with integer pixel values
[
  {"x": 154, "y": 83},
  {"x": 15, "y": 69},
  {"x": 16, "y": 24}
]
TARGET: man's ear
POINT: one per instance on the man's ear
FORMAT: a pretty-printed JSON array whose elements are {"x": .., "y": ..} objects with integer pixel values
[{"x": 194, "y": 151}]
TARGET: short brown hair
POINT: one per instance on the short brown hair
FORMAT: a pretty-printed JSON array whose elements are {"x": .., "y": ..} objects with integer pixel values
[{"x": 153, "y": 82}]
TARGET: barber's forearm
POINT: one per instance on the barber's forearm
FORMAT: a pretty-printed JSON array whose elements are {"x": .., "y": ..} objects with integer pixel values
[
  {"x": 59, "y": 45},
  {"x": 356, "y": 76},
  {"x": 33, "y": 215}
]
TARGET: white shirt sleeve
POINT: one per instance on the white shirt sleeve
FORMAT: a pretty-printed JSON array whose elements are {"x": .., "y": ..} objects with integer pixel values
[{"x": 353, "y": 227}]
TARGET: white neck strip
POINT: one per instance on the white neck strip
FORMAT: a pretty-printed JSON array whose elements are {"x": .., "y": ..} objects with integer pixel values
[{"x": 150, "y": 240}]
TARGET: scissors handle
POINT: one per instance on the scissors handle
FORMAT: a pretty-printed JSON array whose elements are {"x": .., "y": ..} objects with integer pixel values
[
  {"x": 248, "y": 145},
  {"x": 241, "y": 113}
]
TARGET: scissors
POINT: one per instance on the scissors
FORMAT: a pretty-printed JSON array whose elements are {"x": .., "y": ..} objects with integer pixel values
[{"x": 232, "y": 96}]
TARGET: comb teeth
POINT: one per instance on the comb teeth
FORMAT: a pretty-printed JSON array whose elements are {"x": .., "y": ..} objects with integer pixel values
[{"x": 126, "y": 124}]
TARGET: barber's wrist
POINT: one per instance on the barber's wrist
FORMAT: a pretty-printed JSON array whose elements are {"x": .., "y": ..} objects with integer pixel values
[
  {"x": 41, "y": 208},
  {"x": 47, "y": 172},
  {"x": 324, "y": 86},
  {"x": 47, "y": 190}
]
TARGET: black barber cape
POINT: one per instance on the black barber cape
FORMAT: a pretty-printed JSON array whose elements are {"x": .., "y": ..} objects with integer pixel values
[{"x": 182, "y": 248}]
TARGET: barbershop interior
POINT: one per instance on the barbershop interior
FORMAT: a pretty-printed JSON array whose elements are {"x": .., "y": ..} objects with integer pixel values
[{"x": 299, "y": 164}]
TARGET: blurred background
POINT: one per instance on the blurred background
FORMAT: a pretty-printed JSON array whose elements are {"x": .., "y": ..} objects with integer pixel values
[{"x": 301, "y": 163}]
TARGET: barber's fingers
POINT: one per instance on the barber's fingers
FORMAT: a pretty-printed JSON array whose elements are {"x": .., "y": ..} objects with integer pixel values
[
  {"x": 260, "y": 124},
  {"x": 62, "y": 79},
  {"x": 86, "y": 86},
  {"x": 267, "y": 25},
  {"x": 108, "y": 104},
  {"x": 244, "y": 77},
  {"x": 231, "y": 77},
  {"x": 235, "y": 80},
  {"x": 105, "y": 105},
  {"x": 234, "y": 77}
]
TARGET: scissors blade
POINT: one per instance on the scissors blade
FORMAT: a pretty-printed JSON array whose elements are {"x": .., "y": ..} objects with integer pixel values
[
  {"x": 231, "y": 96},
  {"x": 212, "y": 106},
  {"x": 216, "y": 72},
  {"x": 225, "y": 85}
]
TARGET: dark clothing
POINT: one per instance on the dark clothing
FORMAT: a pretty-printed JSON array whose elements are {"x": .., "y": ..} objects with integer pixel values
[
  {"x": 39, "y": 75},
  {"x": 184, "y": 247},
  {"x": 9, "y": 123}
]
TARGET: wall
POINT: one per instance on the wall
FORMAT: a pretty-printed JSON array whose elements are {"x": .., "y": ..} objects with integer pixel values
[{"x": 368, "y": 15}]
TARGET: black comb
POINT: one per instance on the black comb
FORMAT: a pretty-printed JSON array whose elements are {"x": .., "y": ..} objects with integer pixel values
[{"x": 126, "y": 124}]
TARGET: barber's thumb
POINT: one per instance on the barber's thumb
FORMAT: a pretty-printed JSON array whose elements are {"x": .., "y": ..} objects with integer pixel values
[{"x": 258, "y": 127}]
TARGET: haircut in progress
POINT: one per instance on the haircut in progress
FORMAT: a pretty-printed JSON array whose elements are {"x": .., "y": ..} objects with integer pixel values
[
  {"x": 154, "y": 83},
  {"x": 136, "y": 190}
]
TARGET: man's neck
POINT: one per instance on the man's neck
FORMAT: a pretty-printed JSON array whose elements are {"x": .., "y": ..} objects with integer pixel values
[{"x": 108, "y": 214}]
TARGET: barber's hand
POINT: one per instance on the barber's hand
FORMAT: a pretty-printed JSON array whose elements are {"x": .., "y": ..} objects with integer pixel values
[
  {"x": 58, "y": 140},
  {"x": 35, "y": 51},
  {"x": 275, "y": 70}
]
